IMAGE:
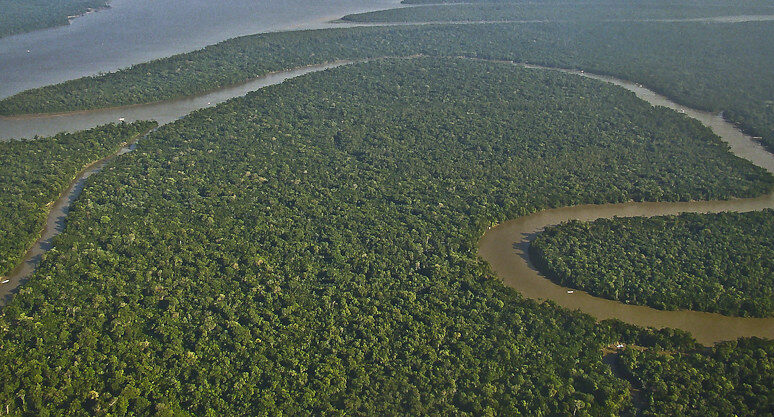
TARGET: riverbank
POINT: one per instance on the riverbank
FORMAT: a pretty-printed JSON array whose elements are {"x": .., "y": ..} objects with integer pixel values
[
  {"x": 90, "y": 10},
  {"x": 20, "y": 18},
  {"x": 164, "y": 112},
  {"x": 569, "y": 45},
  {"x": 136, "y": 31},
  {"x": 56, "y": 214}
]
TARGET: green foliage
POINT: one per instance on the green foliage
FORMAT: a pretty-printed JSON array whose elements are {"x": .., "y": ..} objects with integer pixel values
[
  {"x": 33, "y": 173},
  {"x": 310, "y": 249},
  {"x": 550, "y": 11},
  {"x": 720, "y": 263},
  {"x": 685, "y": 61},
  {"x": 729, "y": 379},
  {"x": 19, "y": 16}
]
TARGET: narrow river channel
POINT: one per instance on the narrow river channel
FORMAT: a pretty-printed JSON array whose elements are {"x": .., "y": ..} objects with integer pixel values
[
  {"x": 164, "y": 112},
  {"x": 55, "y": 223}
]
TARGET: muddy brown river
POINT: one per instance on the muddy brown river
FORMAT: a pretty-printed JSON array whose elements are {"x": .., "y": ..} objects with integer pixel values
[
  {"x": 505, "y": 246},
  {"x": 17, "y": 127}
]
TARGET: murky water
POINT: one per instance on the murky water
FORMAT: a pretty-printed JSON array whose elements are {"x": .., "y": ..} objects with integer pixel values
[
  {"x": 505, "y": 246},
  {"x": 164, "y": 112},
  {"x": 134, "y": 31},
  {"x": 55, "y": 223}
]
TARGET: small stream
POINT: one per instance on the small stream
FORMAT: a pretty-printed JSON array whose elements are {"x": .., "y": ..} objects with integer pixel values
[{"x": 55, "y": 223}]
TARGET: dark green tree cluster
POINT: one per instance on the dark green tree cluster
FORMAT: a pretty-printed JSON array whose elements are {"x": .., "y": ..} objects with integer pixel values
[
  {"x": 550, "y": 11},
  {"x": 720, "y": 263},
  {"x": 730, "y": 379},
  {"x": 707, "y": 66},
  {"x": 310, "y": 249},
  {"x": 34, "y": 173},
  {"x": 19, "y": 16}
]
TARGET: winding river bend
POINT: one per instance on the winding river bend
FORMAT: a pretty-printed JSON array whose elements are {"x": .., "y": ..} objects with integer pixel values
[
  {"x": 504, "y": 246},
  {"x": 23, "y": 69}
]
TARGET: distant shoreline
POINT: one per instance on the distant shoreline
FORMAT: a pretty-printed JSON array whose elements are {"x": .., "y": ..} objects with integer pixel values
[
  {"x": 87, "y": 11},
  {"x": 55, "y": 22}
]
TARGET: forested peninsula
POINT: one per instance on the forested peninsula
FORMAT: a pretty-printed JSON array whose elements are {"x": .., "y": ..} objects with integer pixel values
[
  {"x": 33, "y": 173},
  {"x": 708, "y": 262},
  {"x": 553, "y": 12},
  {"x": 687, "y": 62},
  {"x": 19, "y": 16},
  {"x": 310, "y": 249}
]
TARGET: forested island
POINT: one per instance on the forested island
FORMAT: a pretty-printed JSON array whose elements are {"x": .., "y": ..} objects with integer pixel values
[
  {"x": 19, "y": 16},
  {"x": 33, "y": 173},
  {"x": 708, "y": 262},
  {"x": 553, "y": 12},
  {"x": 309, "y": 249},
  {"x": 686, "y": 61}
]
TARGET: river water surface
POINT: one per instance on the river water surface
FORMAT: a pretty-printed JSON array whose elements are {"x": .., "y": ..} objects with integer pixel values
[
  {"x": 164, "y": 112},
  {"x": 134, "y": 31}
]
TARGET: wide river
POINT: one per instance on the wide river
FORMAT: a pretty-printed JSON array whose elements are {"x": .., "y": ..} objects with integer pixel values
[{"x": 134, "y": 31}]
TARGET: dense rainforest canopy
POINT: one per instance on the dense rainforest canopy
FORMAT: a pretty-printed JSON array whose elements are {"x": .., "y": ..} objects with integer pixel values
[
  {"x": 718, "y": 66},
  {"x": 309, "y": 249},
  {"x": 33, "y": 173},
  {"x": 730, "y": 379},
  {"x": 709, "y": 262},
  {"x": 19, "y": 16}
]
